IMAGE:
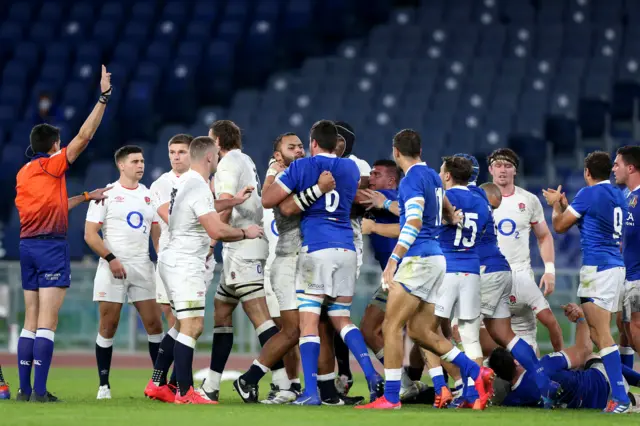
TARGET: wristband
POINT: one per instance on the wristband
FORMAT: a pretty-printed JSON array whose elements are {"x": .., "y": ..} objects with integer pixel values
[
  {"x": 109, "y": 257},
  {"x": 581, "y": 319},
  {"x": 244, "y": 234},
  {"x": 395, "y": 257},
  {"x": 272, "y": 172},
  {"x": 387, "y": 204},
  {"x": 104, "y": 96},
  {"x": 550, "y": 268},
  {"x": 85, "y": 194}
]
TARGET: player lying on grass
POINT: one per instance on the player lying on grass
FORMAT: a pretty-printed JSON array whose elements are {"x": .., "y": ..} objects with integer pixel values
[{"x": 580, "y": 373}]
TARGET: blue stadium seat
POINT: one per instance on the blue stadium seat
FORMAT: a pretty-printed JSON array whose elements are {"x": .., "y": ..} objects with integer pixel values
[
  {"x": 137, "y": 32},
  {"x": 562, "y": 132},
  {"x": 54, "y": 74},
  {"x": 205, "y": 11},
  {"x": 20, "y": 12},
  {"x": 176, "y": 11},
  {"x": 15, "y": 73},
  {"x": 198, "y": 31},
  {"x": 592, "y": 118},
  {"x": 42, "y": 32},
  {"x": 519, "y": 11},
  {"x": 158, "y": 53},
  {"x": 625, "y": 95},
  {"x": 105, "y": 32},
  {"x": 531, "y": 152},
  {"x": 58, "y": 52},
  {"x": 143, "y": 11},
  {"x": 190, "y": 53},
  {"x": 112, "y": 11},
  {"x": 82, "y": 12},
  {"x": 11, "y": 32},
  {"x": 267, "y": 10},
  {"x": 50, "y": 12},
  {"x": 179, "y": 83}
]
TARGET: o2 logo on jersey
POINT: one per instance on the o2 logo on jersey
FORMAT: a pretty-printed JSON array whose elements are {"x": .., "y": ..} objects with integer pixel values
[
  {"x": 139, "y": 220},
  {"x": 507, "y": 227},
  {"x": 274, "y": 230}
]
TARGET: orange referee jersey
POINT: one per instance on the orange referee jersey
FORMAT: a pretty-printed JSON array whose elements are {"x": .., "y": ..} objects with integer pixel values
[{"x": 41, "y": 199}]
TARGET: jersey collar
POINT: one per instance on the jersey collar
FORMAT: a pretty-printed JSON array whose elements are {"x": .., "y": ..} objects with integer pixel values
[
  {"x": 464, "y": 188},
  {"x": 604, "y": 182},
  {"x": 326, "y": 154},
  {"x": 422, "y": 163},
  {"x": 634, "y": 190}
]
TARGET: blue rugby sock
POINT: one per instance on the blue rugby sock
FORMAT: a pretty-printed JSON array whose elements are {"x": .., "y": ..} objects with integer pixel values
[
  {"x": 393, "y": 382},
  {"x": 524, "y": 354},
  {"x": 355, "y": 342},
  {"x": 613, "y": 366},
  {"x": 309, "y": 354},
  {"x": 25, "y": 359},
  {"x": 42, "y": 356}
]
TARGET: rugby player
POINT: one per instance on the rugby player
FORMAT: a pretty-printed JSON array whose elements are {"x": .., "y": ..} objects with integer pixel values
[
  {"x": 626, "y": 169},
  {"x": 326, "y": 268},
  {"x": 125, "y": 272},
  {"x": 495, "y": 288},
  {"x": 242, "y": 280},
  {"x": 283, "y": 274},
  {"x": 581, "y": 374},
  {"x": 41, "y": 200},
  {"x": 412, "y": 288},
  {"x": 193, "y": 222},
  {"x": 519, "y": 213},
  {"x": 347, "y": 139},
  {"x": 599, "y": 211}
]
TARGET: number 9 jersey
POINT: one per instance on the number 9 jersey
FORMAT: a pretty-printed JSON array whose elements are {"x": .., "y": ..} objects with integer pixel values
[{"x": 126, "y": 217}]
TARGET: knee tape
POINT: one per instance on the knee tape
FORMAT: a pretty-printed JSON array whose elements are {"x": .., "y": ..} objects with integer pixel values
[
  {"x": 308, "y": 303},
  {"x": 339, "y": 309}
]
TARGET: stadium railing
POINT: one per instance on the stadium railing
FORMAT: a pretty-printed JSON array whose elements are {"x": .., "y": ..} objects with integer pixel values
[{"x": 79, "y": 315}]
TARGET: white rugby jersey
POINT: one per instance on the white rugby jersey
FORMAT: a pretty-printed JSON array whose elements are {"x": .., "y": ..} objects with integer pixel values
[
  {"x": 161, "y": 194},
  {"x": 271, "y": 233},
  {"x": 525, "y": 303},
  {"x": 365, "y": 171},
  {"x": 513, "y": 219},
  {"x": 235, "y": 171},
  {"x": 126, "y": 217},
  {"x": 190, "y": 199}
]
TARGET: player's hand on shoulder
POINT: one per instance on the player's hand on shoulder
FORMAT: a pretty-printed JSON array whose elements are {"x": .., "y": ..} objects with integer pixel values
[
  {"x": 277, "y": 167},
  {"x": 552, "y": 196},
  {"x": 326, "y": 182},
  {"x": 253, "y": 232},
  {"x": 98, "y": 195},
  {"x": 244, "y": 194},
  {"x": 367, "y": 226},
  {"x": 117, "y": 269},
  {"x": 105, "y": 82}
]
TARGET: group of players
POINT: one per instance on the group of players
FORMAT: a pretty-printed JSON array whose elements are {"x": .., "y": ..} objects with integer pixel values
[{"x": 449, "y": 250}]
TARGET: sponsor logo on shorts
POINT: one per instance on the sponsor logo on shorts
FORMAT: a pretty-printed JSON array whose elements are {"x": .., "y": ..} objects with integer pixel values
[
  {"x": 512, "y": 299},
  {"x": 102, "y": 294},
  {"x": 233, "y": 275},
  {"x": 200, "y": 294},
  {"x": 522, "y": 207},
  {"x": 147, "y": 200},
  {"x": 52, "y": 277},
  {"x": 316, "y": 286}
]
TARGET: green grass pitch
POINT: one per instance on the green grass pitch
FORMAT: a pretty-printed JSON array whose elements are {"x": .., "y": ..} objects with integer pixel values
[{"x": 78, "y": 387}]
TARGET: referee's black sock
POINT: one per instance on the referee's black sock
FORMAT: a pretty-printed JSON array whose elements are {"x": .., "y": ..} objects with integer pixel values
[
  {"x": 183, "y": 354},
  {"x": 104, "y": 352},
  {"x": 164, "y": 359},
  {"x": 342, "y": 356}
]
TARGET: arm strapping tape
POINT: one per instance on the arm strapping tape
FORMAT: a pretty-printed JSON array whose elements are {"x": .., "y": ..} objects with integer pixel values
[
  {"x": 414, "y": 208},
  {"x": 408, "y": 235},
  {"x": 305, "y": 198}
]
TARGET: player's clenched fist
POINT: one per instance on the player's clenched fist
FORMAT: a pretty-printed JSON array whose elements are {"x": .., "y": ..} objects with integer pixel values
[
  {"x": 244, "y": 194},
  {"x": 326, "y": 182},
  {"x": 253, "y": 231},
  {"x": 117, "y": 269}
]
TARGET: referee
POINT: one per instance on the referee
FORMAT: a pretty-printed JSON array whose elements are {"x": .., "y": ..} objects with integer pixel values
[{"x": 43, "y": 207}]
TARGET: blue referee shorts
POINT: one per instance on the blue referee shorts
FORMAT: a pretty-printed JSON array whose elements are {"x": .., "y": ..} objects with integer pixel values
[{"x": 44, "y": 263}]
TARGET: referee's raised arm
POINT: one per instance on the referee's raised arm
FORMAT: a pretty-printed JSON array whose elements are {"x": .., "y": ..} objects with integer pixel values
[{"x": 88, "y": 129}]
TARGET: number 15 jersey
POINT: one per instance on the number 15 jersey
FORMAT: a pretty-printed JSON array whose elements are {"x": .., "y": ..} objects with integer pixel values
[
  {"x": 126, "y": 218},
  {"x": 327, "y": 223},
  {"x": 600, "y": 210}
]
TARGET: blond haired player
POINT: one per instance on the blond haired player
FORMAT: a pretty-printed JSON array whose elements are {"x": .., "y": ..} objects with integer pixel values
[{"x": 520, "y": 213}]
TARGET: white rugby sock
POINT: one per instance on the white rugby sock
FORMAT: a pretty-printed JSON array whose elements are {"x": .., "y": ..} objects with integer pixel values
[
  {"x": 212, "y": 383},
  {"x": 281, "y": 379}
]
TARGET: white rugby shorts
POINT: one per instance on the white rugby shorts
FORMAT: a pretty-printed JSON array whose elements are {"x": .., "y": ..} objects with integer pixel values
[
  {"x": 242, "y": 279},
  {"x": 184, "y": 282},
  {"x": 604, "y": 288},
  {"x": 459, "y": 288},
  {"x": 359, "y": 243},
  {"x": 421, "y": 276},
  {"x": 495, "y": 288},
  {"x": 631, "y": 300},
  {"x": 139, "y": 284},
  {"x": 270, "y": 296},
  {"x": 330, "y": 272},
  {"x": 161, "y": 292}
]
